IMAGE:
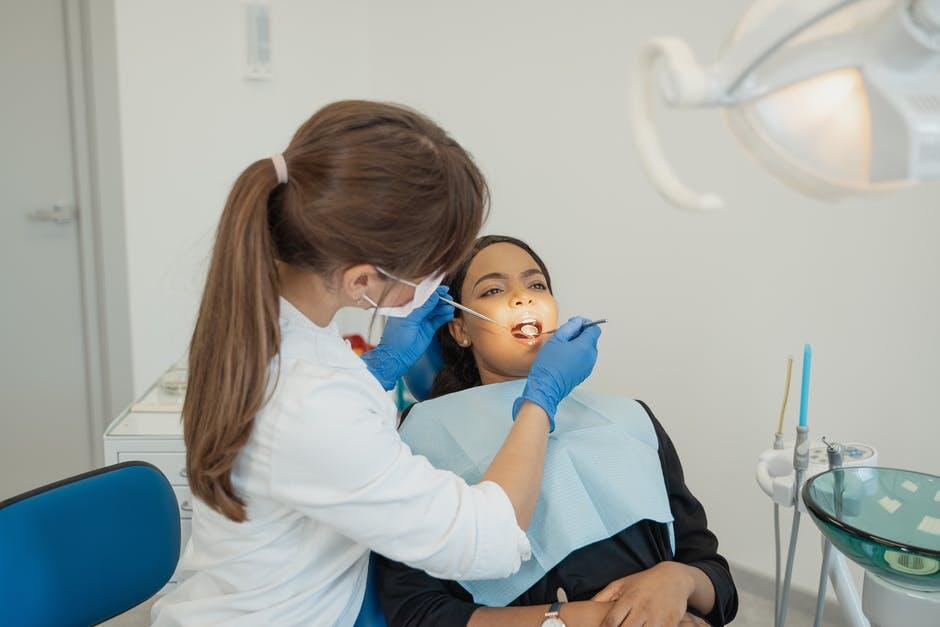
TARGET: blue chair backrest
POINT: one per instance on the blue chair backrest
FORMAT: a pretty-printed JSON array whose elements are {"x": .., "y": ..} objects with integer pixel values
[
  {"x": 85, "y": 549},
  {"x": 371, "y": 613},
  {"x": 420, "y": 377}
]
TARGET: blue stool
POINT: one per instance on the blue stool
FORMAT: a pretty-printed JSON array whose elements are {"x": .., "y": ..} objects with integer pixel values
[
  {"x": 419, "y": 380},
  {"x": 371, "y": 613},
  {"x": 85, "y": 549}
]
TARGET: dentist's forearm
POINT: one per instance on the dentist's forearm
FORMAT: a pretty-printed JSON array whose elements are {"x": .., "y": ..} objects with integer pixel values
[
  {"x": 517, "y": 467},
  {"x": 579, "y": 614}
]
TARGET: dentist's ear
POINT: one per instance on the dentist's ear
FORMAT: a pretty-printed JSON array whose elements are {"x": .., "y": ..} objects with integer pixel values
[
  {"x": 459, "y": 332},
  {"x": 356, "y": 280}
]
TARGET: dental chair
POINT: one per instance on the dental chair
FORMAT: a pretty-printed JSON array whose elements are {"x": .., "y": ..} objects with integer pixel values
[
  {"x": 419, "y": 381},
  {"x": 421, "y": 376},
  {"x": 87, "y": 548}
]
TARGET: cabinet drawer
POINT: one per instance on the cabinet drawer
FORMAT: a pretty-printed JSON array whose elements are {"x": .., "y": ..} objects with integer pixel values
[
  {"x": 184, "y": 499},
  {"x": 173, "y": 465}
]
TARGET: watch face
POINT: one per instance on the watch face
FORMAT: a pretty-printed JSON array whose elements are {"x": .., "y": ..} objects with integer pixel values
[{"x": 553, "y": 622}]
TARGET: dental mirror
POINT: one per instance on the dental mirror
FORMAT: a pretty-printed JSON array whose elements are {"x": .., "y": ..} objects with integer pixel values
[{"x": 528, "y": 329}]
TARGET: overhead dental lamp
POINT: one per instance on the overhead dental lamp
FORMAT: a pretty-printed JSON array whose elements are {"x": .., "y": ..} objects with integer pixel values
[{"x": 833, "y": 97}]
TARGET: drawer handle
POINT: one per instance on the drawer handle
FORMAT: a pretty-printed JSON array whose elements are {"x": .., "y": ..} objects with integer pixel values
[
  {"x": 186, "y": 507},
  {"x": 183, "y": 473}
]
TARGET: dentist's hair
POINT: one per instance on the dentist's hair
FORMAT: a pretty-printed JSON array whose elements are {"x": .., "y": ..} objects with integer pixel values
[
  {"x": 368, "y": 182},
  {"x": 459, "y": 371}
]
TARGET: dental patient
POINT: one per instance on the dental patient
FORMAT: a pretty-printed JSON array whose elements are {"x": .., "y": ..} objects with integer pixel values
[{"x": 616, "y": 528}]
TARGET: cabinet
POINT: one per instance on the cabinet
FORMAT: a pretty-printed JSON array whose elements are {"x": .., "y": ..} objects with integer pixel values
[{"x": 150, "y": 430}]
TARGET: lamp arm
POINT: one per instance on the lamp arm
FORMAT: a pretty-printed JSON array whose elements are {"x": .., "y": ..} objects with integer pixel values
[
  {"x": 685, "y": 82},
  {"x": 785, "y": 22},
  {"x": 906, "y": 39}
]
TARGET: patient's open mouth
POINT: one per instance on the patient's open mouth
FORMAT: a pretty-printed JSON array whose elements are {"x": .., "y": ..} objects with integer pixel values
[{"x": 527, "y": 329}]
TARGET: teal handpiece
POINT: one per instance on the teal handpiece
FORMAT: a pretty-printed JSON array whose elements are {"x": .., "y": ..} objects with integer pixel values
[{"x": 804, "y": 389}]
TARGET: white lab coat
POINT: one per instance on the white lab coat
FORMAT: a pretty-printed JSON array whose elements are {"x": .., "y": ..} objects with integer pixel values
[{"x": 326, "y": 478}]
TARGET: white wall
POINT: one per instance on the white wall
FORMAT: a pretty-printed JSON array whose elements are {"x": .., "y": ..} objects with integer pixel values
[
  {"x": 703, "y": 310},
  {"x": 190, "y": 124}
]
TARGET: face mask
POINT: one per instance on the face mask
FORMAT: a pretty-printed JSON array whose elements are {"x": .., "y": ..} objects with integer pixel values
[{"x": 423, "y": 291}]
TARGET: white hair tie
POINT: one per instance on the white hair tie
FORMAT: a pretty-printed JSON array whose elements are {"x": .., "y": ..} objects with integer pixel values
[{"x": 280, "y": 167}]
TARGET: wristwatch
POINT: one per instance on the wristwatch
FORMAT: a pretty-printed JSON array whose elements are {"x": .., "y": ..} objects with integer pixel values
[{"x": 552, "y": 618}]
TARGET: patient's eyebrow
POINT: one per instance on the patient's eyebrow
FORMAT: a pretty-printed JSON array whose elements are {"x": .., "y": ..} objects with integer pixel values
[
  {"x": 531, "y": 272},
  {"x": 491, "y": 275}
]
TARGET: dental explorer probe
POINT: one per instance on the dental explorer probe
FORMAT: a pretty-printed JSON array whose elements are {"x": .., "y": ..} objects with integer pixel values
[
  {"x": 592, "y": 323},
  {"x": 469, "y": 311},
  {"x": 488, "y": 319}
]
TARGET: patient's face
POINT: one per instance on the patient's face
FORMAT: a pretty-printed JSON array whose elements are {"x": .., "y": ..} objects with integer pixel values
[{"x": 505, "y": 283}]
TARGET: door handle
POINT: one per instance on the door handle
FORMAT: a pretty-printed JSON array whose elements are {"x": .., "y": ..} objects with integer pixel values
[{"x": 60, "y": 214}]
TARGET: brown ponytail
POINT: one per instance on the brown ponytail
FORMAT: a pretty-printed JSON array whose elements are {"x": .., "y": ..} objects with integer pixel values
[{"x": 368, "y": 183}]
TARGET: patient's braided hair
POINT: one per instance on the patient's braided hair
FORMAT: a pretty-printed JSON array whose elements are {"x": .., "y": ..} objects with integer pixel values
[{"x": 460, "y": 368}]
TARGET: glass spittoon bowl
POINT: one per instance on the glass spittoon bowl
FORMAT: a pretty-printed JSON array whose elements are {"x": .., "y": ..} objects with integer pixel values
[{"x": 886, "y": 520}]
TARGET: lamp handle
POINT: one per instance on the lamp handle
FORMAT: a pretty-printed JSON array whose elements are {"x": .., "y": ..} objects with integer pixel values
[{"x": 683, "y": 82}]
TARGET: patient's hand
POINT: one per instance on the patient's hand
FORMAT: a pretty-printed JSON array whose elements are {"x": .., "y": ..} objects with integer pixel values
[
  {"x": 690, "y": 620},
  {"x": 656, "y": 596}
]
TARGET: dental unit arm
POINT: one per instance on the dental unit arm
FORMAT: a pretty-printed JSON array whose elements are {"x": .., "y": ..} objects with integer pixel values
[
  {"x": 896, "y": 54},
  {"x": 777, "y": 479},
  {"x": 834, "y": 454},
  {"x": 781, "y": 473}
]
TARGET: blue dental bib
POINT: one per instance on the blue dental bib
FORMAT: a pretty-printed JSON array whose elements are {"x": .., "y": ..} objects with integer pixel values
[{"x": 602, "y": 470}]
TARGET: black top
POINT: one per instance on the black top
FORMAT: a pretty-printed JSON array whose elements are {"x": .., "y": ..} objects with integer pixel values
[{"x": 412, "y": 597}]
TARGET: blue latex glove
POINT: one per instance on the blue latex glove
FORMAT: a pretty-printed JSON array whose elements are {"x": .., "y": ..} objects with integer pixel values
[
  {"x": 562, "y": 364},
  {"x": 406, "y": 339}
]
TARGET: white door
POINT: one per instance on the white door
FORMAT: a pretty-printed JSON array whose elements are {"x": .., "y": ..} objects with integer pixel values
[{"x": 45, "y": 431}]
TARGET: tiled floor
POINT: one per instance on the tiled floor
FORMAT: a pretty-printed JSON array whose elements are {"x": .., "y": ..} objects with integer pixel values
[
  {"x": 757, "y": 611},
  {"x": 754, "y": 611},
  {"x": 137, "y": 617}
]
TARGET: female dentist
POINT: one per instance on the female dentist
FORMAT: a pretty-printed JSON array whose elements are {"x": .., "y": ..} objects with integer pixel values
[{"x": 292, "y": 450}]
